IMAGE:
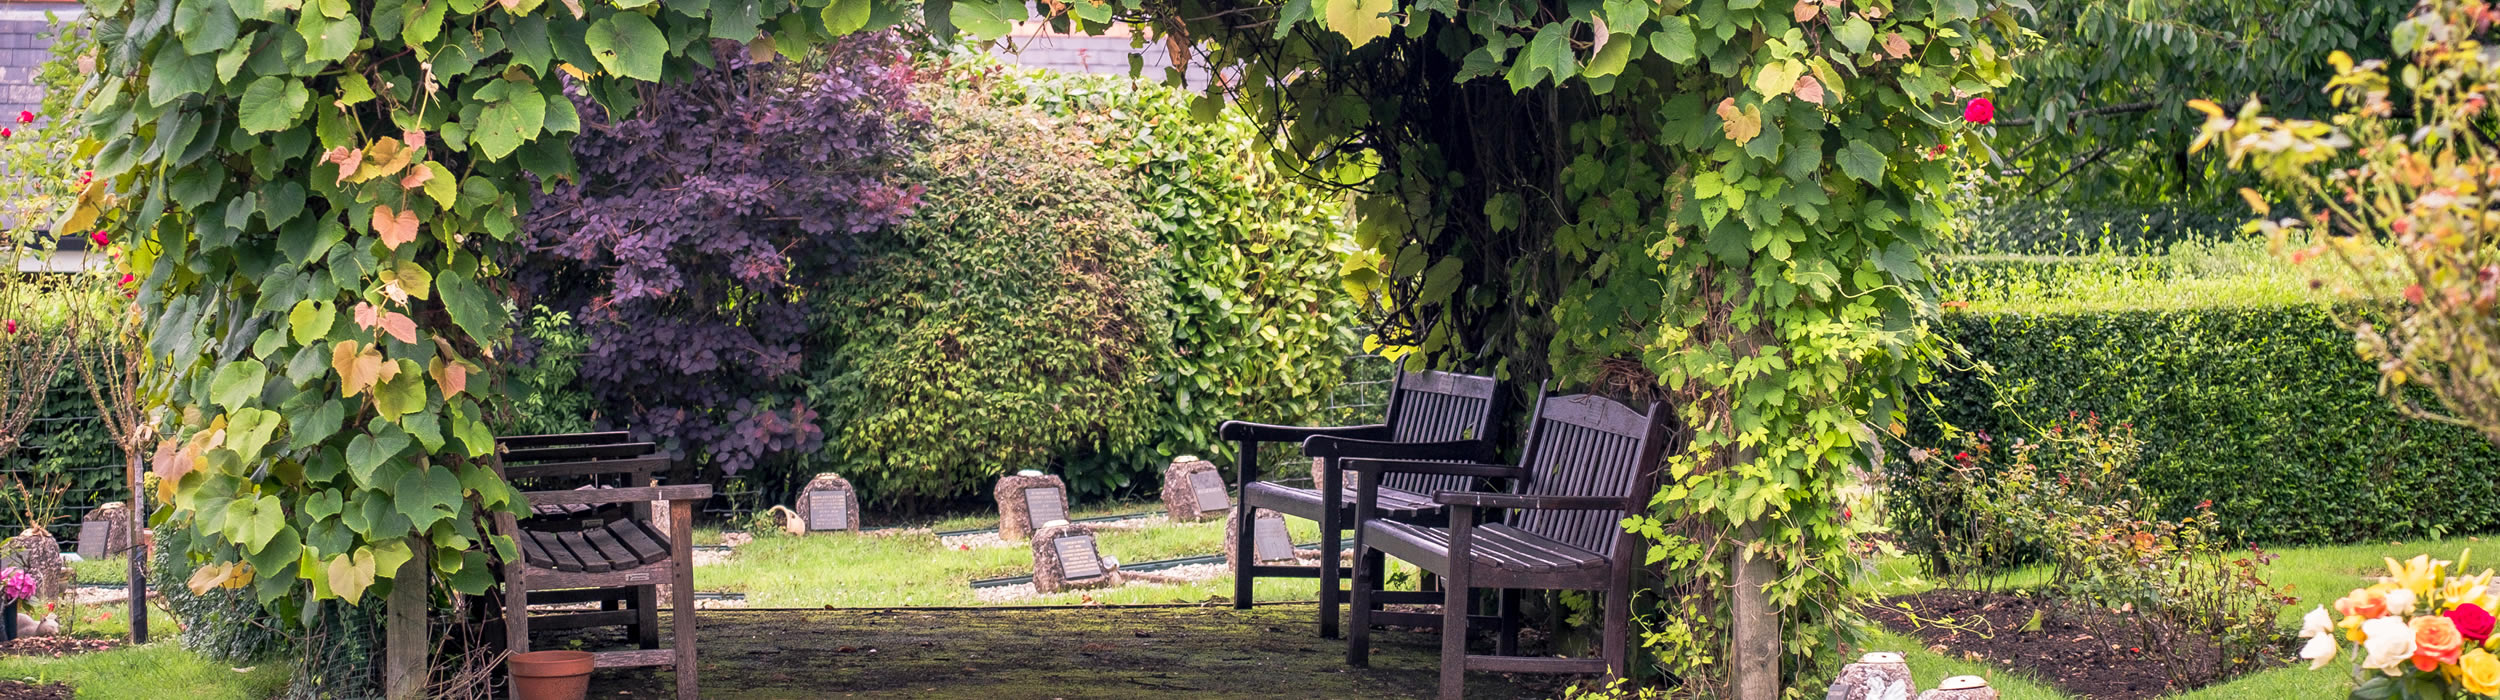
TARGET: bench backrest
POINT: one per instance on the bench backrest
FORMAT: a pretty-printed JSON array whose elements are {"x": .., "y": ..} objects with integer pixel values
[
  {"x": 612, "y": 455},
  {"x": 1587, "y": 445},
  {"x": 1433, "y": 406}
]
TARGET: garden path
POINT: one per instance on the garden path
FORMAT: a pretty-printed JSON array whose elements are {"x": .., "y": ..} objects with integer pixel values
[{"x": 1017, "y": 653}]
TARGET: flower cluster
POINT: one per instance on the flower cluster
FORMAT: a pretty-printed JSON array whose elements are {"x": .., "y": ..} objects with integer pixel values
[
  {"x": 2422, "y": 622},
  {"x": 16, "y": 584}
]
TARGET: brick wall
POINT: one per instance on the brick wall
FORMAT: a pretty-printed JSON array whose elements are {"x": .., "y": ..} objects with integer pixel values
[{"x": 24, "y": 46}]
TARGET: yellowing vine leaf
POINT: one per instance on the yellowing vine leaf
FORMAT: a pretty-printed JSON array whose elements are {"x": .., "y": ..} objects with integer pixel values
[
  {"x": 1896, "y": 46},
  {"x": 348, "y": 160},
  {"x": 416, "y": 177},
  {"x": 399, "y": 326},
  {"x": 396, "y": 228},
  {"x": 1359, "y": 21},
  {"x": 1806, "y": 10},
  {"x": 383, "y": 157},
  {"x": 368, "y": 316},
  {"x": 1809, "y": 89},
  {"x": 360, "y": 367},
  {"x": 86, "y": 211},
  {"x": 1740, "y": 125},
  {"x": 452, "y": 376}
]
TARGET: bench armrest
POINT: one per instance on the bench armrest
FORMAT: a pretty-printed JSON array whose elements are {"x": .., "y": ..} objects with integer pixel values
[
  {"x": 637, "y": 494},
  {"x": 1476, "y": 499},
  {"x": 1332, "y": 446},
  {"x": 1242, "y": 431},
  {"x": 1408, "y": 466}
]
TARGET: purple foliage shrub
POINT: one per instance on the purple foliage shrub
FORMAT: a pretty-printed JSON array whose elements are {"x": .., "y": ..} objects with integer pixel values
[{"x": 699, "y": 223}]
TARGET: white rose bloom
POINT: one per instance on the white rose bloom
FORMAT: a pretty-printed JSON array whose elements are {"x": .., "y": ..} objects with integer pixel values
[
  {"x": 2400, "y": 602},
  {"x": 2316, "y": 623},
  {"x": 2320, "y": 650},
  {"x": 2388, "y": 642}
]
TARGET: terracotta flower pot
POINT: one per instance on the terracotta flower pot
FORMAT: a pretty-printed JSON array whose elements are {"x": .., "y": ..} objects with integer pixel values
[{"x": 550, "y": 675}]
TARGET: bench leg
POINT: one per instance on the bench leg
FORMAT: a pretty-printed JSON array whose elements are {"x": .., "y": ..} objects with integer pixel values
[
  {"x": 681, "y": 626},
  {"x": 647, "y": 621},
  {"x": 1358, "y": 647},
  {"x": 1330, "y": 573},
  {"x": 1509, "y": 645},
  {"x": 1245, "y": 469},
  {"x": 1454, "y": 631}
]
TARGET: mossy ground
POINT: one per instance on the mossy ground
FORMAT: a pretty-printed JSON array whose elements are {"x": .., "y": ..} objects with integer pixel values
[{"x": 1008, "y": 654}]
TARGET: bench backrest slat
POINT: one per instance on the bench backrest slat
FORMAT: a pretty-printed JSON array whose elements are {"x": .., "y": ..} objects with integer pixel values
[
  {"x": 1587, "y": 445},
  {"x": 1431, "y": 406}
]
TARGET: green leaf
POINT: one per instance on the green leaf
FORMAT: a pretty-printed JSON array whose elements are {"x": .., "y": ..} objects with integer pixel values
[
  {"x": 310, "y": 320},
  {"x": 1360, "y": 21},
  {"x": 248, "y": 433},
  {"x": 1855, "y": 34},
  {"x": 987, "y": 20},
  {"x": 1610, "y": 59},
  {"x": 441, "y": 188},
  {"x": 503, "y": 126},
  {"x": 237, "y": 383},
  {"x": 253, "y": 522},
  {"x": 368, "y": 452},
  {"x": 311, "y": 426},
  {"x": 846, "y": 16},
  {"x": 1861, "y": 161},
  {"x": 473, "y": 308},
  {"x": 175, "y": 74},
  {"x": 735, "y": 20},
  {"x": 403, "y": 394},
  {"x": 1674, "y": 39},
  {"x": 627, "y": 45},
  {"x": 205, "y": 27},
  {"x": 1441, "y": 280},
  {"x": 427, "y": 494},
  {"x": 328, "y": 40}
]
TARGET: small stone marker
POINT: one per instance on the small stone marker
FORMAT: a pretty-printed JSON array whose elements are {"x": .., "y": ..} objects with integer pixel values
[
  {"x": 1065, "y": 558},
  {"x": 829, "y": 504},
  {"x": 1193, "y": 490},
  {"x": 1961, "y": 688},
  {"x": 105, "y": 531},
  {"x": 1027, "y": 500},
  {"x": 1268, "y": 536},
  {"x": 1881, "y": 675},
  {"x": 40, "y": 554}
]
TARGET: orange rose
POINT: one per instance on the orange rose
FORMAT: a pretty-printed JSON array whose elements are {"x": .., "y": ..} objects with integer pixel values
[
  {"x": 2435, "y": 642},
  {"x": 2362, "y": 603}
]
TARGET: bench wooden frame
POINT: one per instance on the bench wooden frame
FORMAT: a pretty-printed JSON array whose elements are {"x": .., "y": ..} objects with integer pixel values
[
  {"x": 597, "y": 545},
  {"x": 1588, "y": 460},
  {"x": 1431, "y": 415}
]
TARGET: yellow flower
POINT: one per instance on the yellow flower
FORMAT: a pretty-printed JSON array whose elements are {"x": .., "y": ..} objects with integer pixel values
[
  {"x": 2419, "y": 574},
  {"x": 2480, "y": 672},
  {"x": 2460, "y": 590}
]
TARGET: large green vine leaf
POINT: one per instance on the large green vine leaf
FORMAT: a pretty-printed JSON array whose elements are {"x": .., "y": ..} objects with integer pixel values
[{"x": 318, "y": 188}]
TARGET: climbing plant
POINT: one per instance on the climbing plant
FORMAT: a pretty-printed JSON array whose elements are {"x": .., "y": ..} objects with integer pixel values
[
  {"x": 1724, "y": 203},
  {"x": 319, "y": 193}
]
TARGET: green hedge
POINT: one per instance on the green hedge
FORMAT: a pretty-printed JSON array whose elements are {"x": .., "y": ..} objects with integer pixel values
[{"x": 2265, "y": 410}]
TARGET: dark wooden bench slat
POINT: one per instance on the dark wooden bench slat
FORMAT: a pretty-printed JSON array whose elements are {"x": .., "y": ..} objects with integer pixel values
[
  {"x": 649, "y": 547},
  {"x": 558, "y": 557},
  {"x": 586, "y": 557},
  {"x": 558, "y": 440},
  {"x": 533, "y": 553},
  {"x": 610, "y": 550}
]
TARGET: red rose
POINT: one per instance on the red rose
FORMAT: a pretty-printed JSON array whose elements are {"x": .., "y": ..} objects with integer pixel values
[
  {"x": 1979, "y": 111},
  {"x": 10, "y": 325},
  {"x": 26, "y": 116},
  {"x": 5, "y": 132},
  {"x": 128, "y": 278},
  {"x": 100, "y": 239},
  {"x": 2472, "y": 621}
]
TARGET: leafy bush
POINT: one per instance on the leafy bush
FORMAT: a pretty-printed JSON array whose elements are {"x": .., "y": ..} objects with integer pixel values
[
  {"x": 1260, "y": 328},
  {"x": 685, "y": 249},
  {"x": 1015, "y": 321},
  {"x": 2069, "y": 500},
  {"x": 226, "y": 625},
  {"x": 2264, "y": 410}
]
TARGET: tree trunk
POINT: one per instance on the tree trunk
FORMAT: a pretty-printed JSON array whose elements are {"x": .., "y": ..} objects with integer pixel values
[
  {"x": 1754, "y": 642},
  {"x": 405, "y": 646},
  {"x": 140, "y": 546}
]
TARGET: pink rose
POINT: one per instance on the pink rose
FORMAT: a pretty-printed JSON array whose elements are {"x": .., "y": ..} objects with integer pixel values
[{"x": 1979, "y": 111}]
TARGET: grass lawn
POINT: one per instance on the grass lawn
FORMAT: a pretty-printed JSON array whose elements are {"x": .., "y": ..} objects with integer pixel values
[
  {"x": 148, "y": 671},
  {"x": 2316, "y": 575},
  {"x": 871, "y": 570}
]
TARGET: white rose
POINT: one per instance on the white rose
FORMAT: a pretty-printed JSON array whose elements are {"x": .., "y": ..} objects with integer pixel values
[
  {"x": 2400, "y": 602},
  {"x": 2388, "y": 642},
  {"x": 2316, "y": 623},
  {"x": 2320, "y": 650}
]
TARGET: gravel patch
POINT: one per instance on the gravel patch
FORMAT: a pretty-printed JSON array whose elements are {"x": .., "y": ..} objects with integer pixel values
[{"x": 982, "y": 540}]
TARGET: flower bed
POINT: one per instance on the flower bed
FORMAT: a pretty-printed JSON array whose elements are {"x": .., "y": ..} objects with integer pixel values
[{"x": 2082, "y": 650}]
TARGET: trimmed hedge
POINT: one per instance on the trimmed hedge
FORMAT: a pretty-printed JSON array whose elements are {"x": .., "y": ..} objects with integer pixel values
[{"x": 2265, "y": 410}]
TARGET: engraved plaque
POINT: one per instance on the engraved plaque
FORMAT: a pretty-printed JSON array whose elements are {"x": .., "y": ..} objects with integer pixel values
[
  {"x": 1273, "y": 542},
  {"x": 95, "y": 539},
  {"x": 1042, "y": 505},
  {"x": 1210, "y": 490},
  {"x": 828, "y": 510},
  {"x": 1077, "y": 559}
]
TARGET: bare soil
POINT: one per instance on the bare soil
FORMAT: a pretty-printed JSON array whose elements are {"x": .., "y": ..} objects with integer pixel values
[
  {"x": 2089, "y": 652},
  {"x": 21, "y": 690},
  {"x": 1012, "y": 654}
]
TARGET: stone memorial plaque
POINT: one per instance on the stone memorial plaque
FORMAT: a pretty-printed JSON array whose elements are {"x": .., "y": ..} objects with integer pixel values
[
  {"x": 1077, "y": 559},
  {"x": 95, "y": 539},
  {"x": 1042, "y": 505},
  {"x": 828, "y": 510},
  {"x": 1274, "y": 544},
  {"x": 1210, "y": 490}
]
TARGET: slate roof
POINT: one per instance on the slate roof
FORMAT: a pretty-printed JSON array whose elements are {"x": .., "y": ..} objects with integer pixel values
[{"x": 23, "y": 49}]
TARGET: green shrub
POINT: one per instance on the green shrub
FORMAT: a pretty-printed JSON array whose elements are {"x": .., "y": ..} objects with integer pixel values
[
  {"x": 2265, "y": 410},
  {"x": 225, "y": 625},
  {"x": 1015, "y": 321}
]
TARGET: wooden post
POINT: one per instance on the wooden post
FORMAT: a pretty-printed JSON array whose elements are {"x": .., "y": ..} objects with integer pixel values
[
  {"x": 405, "y": 645},
  {"x": 140, "y": 547},
  {"x": 1754, "y": 636}
]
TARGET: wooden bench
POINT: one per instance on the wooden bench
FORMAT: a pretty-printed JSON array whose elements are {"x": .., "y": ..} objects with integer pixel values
[
  {"x": 1431, "y": 415},
  {"x": 600, "y": 542},
  {"x": 1587, "y": 461}
]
